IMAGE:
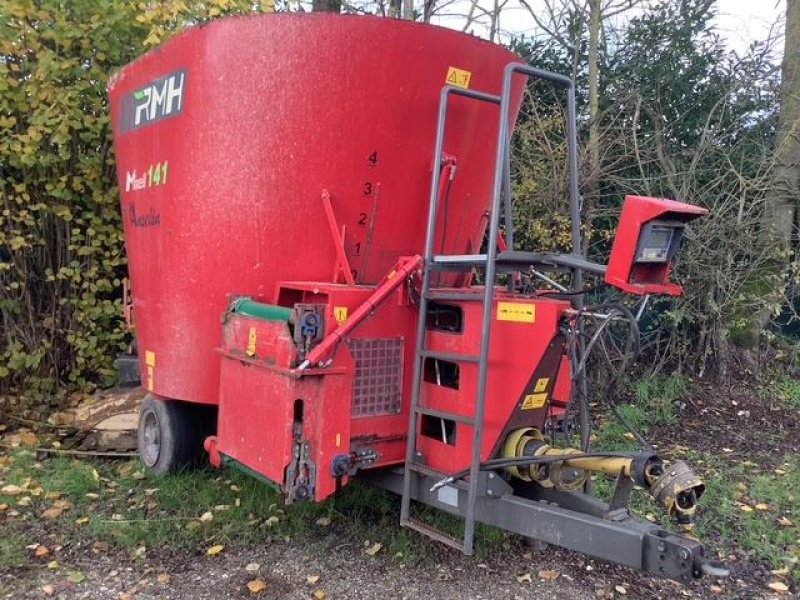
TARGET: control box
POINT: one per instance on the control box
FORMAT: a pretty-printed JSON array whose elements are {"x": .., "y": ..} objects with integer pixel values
[{"x": 647, "y": 243}]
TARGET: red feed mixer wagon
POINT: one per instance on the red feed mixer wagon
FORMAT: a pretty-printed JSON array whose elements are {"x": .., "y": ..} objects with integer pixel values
[{"x": 310, "y": 202}]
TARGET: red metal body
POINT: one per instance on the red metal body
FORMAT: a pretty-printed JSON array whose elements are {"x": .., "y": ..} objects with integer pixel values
[
  {"x": 359, "y": 402},
  {"x": 227, "y": 135}
]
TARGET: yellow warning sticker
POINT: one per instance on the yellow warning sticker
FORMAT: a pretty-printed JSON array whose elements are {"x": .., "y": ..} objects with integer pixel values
[
  {"x": 534, "y": 401},
  {"x": 340, "y": 314},
  {"x": 458, "y": 77},
  {"x": 338, "y": 440},
  {"x": 150, "y": 378},
  {"x": 541, "y": 384},
  {"x": 251, "y": 342},
  {"x": 514, "y": 311},
  {"x": 150, "y": 358}
]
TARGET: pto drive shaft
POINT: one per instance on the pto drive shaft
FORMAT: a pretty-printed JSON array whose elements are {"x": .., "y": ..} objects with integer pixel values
[{"x": 675, "y": 487}]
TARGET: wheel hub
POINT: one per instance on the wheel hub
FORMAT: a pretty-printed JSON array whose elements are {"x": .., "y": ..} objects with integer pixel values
[{"x": 151, "y": 446}]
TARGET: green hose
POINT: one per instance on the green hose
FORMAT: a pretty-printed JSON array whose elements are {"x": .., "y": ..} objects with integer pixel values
[{"x": 268, "y": 312}]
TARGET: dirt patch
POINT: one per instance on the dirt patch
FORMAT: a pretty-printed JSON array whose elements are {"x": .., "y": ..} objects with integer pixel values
[{"x": 738, "y": 421}]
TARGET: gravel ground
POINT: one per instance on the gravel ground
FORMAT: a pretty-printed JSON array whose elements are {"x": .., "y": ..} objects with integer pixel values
[{"x": 344, "y": 572}]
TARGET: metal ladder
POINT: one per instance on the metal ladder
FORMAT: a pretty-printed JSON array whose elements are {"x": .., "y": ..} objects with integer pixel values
[{"x": 440, "y": 262}]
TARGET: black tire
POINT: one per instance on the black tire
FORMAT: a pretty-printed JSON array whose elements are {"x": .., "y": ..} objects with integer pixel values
[{"x": 170, "y": 435}]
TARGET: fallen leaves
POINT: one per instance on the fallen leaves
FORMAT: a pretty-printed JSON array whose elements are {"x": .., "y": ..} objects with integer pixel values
[
  {"x": 272, "y": 521},
  {"x": 785, "y": 522},
  {"x": 526, "y": 578},
  {"x": 48, "y": 590},
  {"x": 207, "y": 517},
  {"x": 252, "y": 567},
  {"x": 374, "y": 549},
  {"x": 41, "y": 551},
  {"x": 319, "y": 594},
  {"x": 164, "y": 578},
  {"x": 76, "y": 577},
  {"x": 549, "y": 574},
  {"x": 59, "y": 506},
  {"x": 622, "y": 590},
  {"x": 256, "y": 586},
  {"x": 762, "y": 506},
  {"x": 52, "y": 513},
  {"x": 778, "y": 586},
  {"x": 312, "y": 579},
  {"x": 215, "y": 550},
  {"x": 11, "y": 490},
  {"x": 323, "y": 521}
]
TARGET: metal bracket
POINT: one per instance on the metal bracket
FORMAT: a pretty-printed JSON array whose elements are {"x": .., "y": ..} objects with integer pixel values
[
  {"x": 300, "y": 474},
  {"x": 618, "y": 507}
]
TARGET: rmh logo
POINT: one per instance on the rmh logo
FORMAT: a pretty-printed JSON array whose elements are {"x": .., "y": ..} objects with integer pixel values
[{"x": 159, "y": 100}]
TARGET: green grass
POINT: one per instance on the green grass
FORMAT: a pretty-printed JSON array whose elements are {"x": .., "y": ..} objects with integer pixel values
[
  {"x": 115, "y": 502},
  {"x": 729, "y": 513},
  {"x": 652, "y": 405},
  {"x": 658, "y": 395},
  {"x": 788, "y": 393},
  {"x": 12, "y": 550}
]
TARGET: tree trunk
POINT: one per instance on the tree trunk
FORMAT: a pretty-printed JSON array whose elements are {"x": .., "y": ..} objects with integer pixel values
[
  {"x": 787, "y": 149},
  {"x": 782, "y": 214},
  {"x": 334, "y": 6},
  {"x": 408, "y": 10},
  {"x": 593, "y": 145}
]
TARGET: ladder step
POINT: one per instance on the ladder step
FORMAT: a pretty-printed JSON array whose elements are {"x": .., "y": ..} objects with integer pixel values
[
  {"x": 457, "y": 262},
  {"x": 451, "y": 356},
  {"x": 440, "y": 414},
  {"x": 462, "y": 296},
  {"x": 433, "y": 533},
  {"x": 426, "y": 471}
]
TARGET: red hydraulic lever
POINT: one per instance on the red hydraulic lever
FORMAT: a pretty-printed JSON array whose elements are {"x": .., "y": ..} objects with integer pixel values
[{"x": 405, "y": 267}]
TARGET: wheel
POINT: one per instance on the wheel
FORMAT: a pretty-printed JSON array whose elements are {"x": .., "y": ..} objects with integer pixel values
[{"x": 170, "y": 435}]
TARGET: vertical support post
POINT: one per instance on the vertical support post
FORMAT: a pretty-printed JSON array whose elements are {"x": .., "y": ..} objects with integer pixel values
[
  {"x": 488, "y": 296},
  {"x": 577, "y": 274},
  {"x": 508, "y": 207}
]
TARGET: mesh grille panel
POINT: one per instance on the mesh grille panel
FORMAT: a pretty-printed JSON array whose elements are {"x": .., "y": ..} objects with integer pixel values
[{"x": 378, "y": 384}]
